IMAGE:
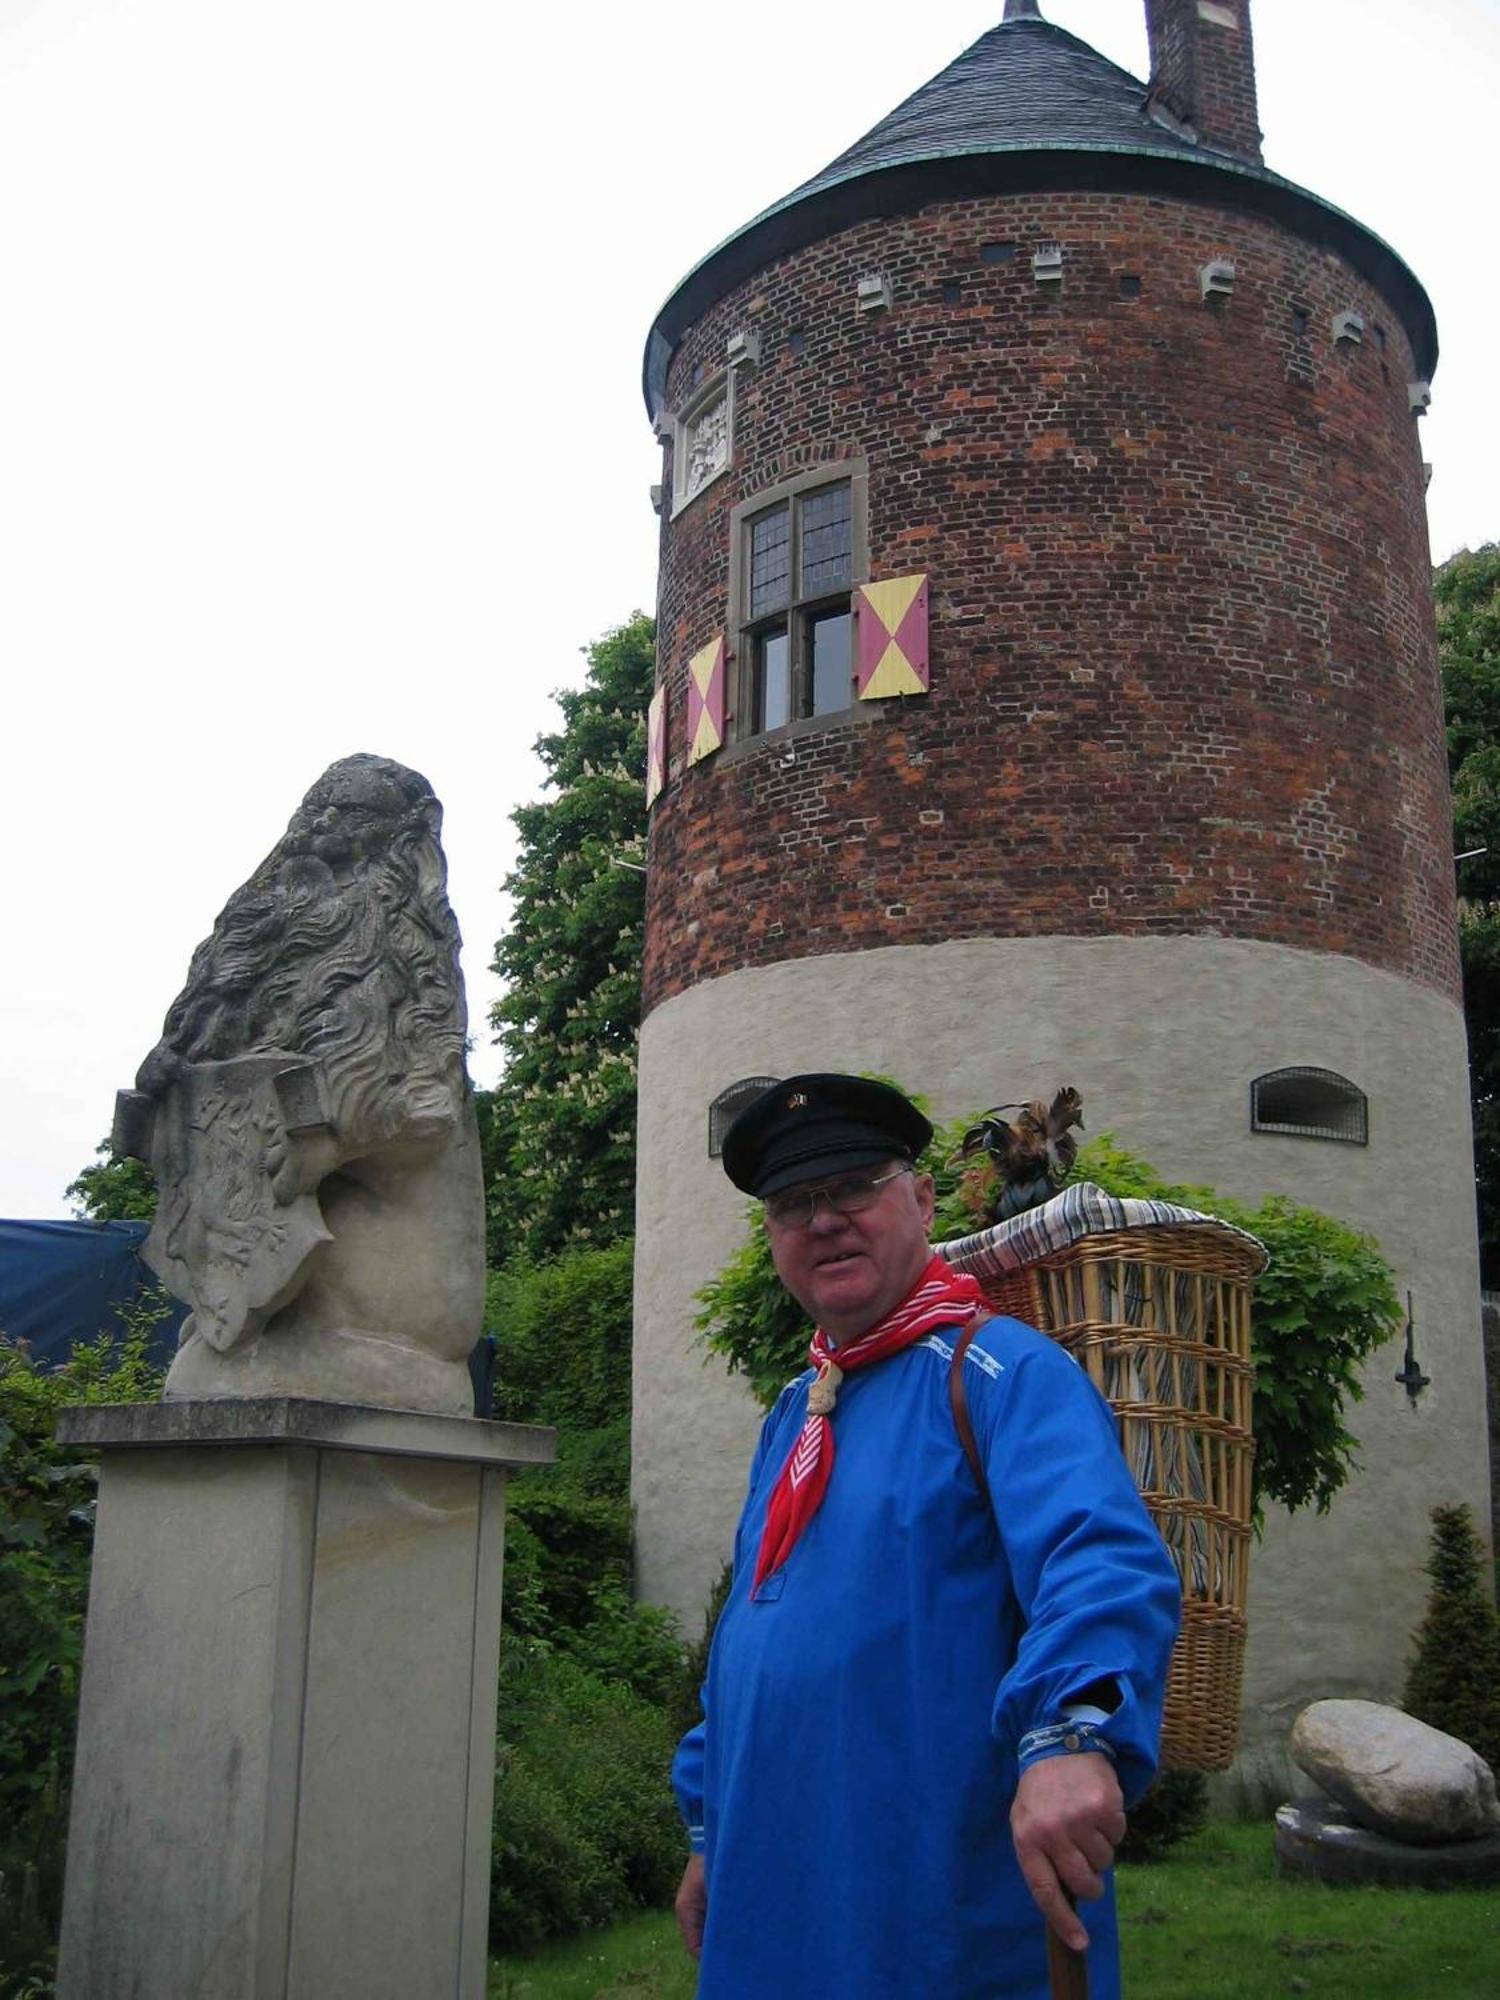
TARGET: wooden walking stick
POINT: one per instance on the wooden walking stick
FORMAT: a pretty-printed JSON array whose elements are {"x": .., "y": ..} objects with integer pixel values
[{"x": 1067, "y": 1970}]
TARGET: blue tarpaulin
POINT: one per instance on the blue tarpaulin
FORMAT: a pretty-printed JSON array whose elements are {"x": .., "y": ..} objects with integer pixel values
[{"x": 60, "y": 1283}]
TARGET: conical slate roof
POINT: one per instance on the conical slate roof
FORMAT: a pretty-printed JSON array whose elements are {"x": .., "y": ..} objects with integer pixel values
[
  {"x": 1026, "y": 84},
  {"x": 1027, "y": 107}
]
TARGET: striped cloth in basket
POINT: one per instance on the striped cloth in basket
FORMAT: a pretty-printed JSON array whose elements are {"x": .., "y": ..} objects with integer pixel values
[{"x": 1079, "y": 1211}]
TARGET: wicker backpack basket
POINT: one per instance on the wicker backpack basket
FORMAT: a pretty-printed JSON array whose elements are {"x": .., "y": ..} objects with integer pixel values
[{"x": 1159, "y": 1316}]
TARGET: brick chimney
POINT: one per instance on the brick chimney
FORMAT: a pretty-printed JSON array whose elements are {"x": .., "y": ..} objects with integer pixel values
[{"x": 1203, "y": 70}]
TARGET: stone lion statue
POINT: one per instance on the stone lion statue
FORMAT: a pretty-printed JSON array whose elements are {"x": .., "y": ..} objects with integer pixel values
[{"x": 308, "y": 1116}]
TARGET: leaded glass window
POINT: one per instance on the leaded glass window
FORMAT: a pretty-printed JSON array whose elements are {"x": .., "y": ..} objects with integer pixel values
[
  {"x": 798, "y": 561},
  {"x": 770, "y": 561},
  {"x": 827, "y": 524}
]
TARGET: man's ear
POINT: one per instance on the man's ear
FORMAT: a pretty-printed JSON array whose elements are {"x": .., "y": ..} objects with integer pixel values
[{"x": 926, "y": 1193}]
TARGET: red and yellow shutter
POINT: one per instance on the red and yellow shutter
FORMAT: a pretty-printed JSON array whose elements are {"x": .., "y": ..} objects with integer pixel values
[
  {"x": 705, "y": 725},
  {"x": 656, "y": 745},
  {"x": 891, "y": 651}
]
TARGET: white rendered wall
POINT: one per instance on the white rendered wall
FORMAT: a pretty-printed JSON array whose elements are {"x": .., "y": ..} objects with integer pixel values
[{"x": 1162, "y": 1037}]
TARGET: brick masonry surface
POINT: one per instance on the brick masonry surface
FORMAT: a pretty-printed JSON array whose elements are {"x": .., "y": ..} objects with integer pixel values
[
  {"x": 1184, "y": 673},
  {"x": 1206, "y": 71}
]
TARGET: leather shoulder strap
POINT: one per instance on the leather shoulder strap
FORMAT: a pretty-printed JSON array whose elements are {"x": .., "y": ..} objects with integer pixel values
[{"x": 959, "y": 1397}]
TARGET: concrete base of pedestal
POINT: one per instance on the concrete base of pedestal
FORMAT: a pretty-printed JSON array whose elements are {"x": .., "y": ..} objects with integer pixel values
[{"x": 286, "y": 1743}]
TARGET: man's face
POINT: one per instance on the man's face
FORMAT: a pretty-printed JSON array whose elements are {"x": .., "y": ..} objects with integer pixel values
[{"x": 847, "y": 1271}]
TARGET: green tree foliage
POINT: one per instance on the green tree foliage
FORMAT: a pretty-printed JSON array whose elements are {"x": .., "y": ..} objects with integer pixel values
[
  {"x": 1327, "y": 1301},
  {"x": 1467, "y": 595},
  {"x": 1454, "y": 1679},
  {"x": 1479, "y": 950},
  {"x": 562, "y": 1130},
  {"x": 495, "y": 1112},
  {"x": 111, "y": 1190},
  {"x": 46, "y": 1538}
]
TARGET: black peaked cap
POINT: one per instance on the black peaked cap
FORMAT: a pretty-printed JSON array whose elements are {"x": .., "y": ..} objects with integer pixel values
[{"x": 810, "y": 1126}]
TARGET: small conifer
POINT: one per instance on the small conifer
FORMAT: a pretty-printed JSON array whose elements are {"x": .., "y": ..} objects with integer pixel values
[
  {"x": 1454, "y": 1680},
  {"x": 1174, "y": 1808},
  {"x": 686, "y": 1709}
]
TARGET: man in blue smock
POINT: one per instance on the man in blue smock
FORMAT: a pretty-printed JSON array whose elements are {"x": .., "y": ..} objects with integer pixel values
[{"x": 926, "y": 1709}]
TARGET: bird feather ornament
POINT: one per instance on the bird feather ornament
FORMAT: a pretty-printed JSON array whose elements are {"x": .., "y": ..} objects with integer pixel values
[{"x": 1026, "y": 1158}]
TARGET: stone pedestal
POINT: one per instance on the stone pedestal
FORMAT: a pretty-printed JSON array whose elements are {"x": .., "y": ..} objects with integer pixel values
[
  {"x": 1314, "y": 1839},
  {"x": 286, "y": 1737}
]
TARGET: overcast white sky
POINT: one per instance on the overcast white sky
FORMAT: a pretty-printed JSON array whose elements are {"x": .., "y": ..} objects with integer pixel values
[{"x": 320, "y": 421}]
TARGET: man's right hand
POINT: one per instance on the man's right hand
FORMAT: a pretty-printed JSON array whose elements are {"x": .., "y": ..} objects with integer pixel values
[
  {"x": 1067, "y": 1820},
  {"x": 692, "y": 1904}
]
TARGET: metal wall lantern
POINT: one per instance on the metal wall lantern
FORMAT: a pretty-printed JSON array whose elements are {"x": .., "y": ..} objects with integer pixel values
[{"x": 1409, "y": 1375}]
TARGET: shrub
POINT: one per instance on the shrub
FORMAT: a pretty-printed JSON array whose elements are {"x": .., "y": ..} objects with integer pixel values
[
  {"x": 1454, "y": 1679},
  {"x": 581, "y": 1542},
  {"x": 46, "y": 1537},
  {"x": 31, "y": 1891},
  {"x": 637, "y": 1645},
  {"x": 568, "y": 1578},
  {"x": 1173, "y": 1808},
  {"x": 563, "y": 1332},
  {"x": 563, "y": 1358},
  {"x": 585, "y": 1828},
  {"x": 563, "y": 1338}
]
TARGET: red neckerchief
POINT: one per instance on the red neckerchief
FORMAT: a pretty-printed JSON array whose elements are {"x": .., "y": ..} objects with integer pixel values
[{"x": 940, "y": 1297}]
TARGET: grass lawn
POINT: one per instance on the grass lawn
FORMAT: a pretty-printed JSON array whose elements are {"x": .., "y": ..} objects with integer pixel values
[
  {"x": 1212, "y": 1923},
  {"x": 640, "y": 1960},
  {"x": 1221, "y": 1922}
]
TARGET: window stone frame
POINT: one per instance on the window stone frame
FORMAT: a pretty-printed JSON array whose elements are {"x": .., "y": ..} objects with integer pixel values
[{"x": 828, "y": 472}]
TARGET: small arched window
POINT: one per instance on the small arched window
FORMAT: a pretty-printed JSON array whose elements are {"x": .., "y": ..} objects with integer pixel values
[
  {"x": 1304, "y": 1103},
  {"x": 728, "y": 1105}
]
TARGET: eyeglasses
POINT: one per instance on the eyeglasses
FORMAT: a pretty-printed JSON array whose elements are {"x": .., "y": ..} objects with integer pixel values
[{"x": 847, "y": 1195}]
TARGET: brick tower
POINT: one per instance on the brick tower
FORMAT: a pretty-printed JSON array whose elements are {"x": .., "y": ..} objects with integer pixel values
[{"x": 1048, "y": 693}]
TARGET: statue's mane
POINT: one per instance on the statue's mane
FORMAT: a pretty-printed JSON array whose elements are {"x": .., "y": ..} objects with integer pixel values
[{"x": 341, "y": 949}]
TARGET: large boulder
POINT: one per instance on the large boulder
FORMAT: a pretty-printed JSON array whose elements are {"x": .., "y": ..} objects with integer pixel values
[{"x": 1395, "y": 1774}]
